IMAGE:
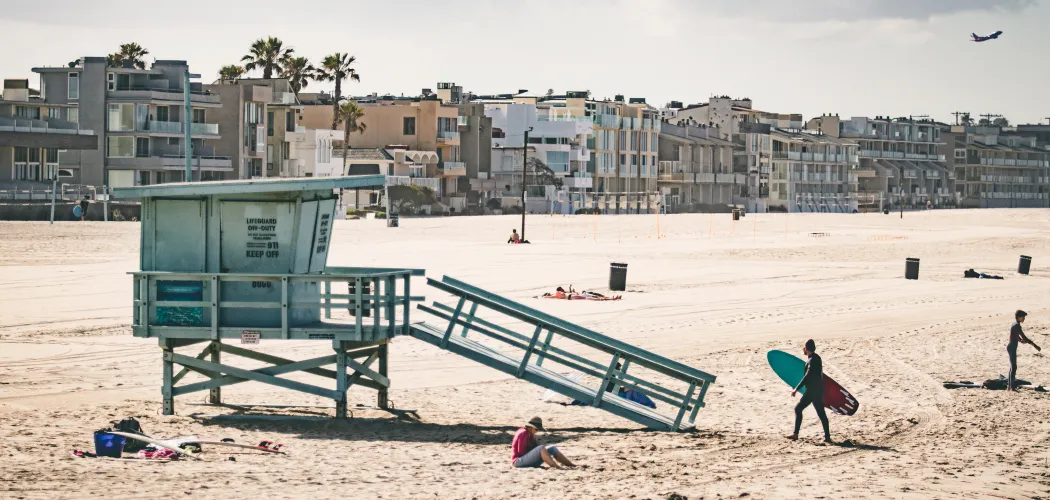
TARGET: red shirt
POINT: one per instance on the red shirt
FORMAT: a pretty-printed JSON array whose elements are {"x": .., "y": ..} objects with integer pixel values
[{"x": 522, "y": 444}]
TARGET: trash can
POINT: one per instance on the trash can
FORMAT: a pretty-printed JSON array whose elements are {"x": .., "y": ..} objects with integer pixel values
[
  {"x": 911, "y": 269},
  {"x": 617, "y": 277},
  {"x": 108, "y": 445},
  {"x": 391, "y": 220},
  {"x": 885, "y": 211},
  {"x": 736, "y": 214},
  {"x": 1025, "y": 265}
]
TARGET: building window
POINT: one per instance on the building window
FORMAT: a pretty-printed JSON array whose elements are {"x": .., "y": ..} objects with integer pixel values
[
  {"x": 285, "y": 150},
  {"x": 73, "y": 115},
  {"x": 655, "y": 145},
  {"x": 623, "y": 159},
  {"x": 269, "y": 123},
  {"x": 111, "y": 81},
  {"x": 198, "y": 115},
  {"x": 408, "y": 126},
  {"x": 623, "y": 139},
  {"x": 256, "y": 167},
  {"x": 55, "y": 113},
  {"x": 142, "y": 147},
  {"x": 289, "y": 121},
  {"x": 74, "y": 86},
  {"x": 269, "y": 157},
  {"x": 120, "y": 147},
  {"x": 960, "y": 153},
  {"x": 121, "y": 118}
]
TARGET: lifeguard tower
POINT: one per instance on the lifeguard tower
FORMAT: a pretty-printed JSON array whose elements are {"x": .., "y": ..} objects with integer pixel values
[{"x": 246, "y": 261}]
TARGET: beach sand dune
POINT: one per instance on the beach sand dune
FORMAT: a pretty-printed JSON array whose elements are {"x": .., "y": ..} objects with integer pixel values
[{"x": 701, "y": 289}]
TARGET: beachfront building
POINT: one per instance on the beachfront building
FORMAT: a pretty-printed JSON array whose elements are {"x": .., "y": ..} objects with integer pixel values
[
  {"x": 626, "y": 147},
  {"x": 997, "y": 170},
  {"x": 422, "y": 124},
  {"x": 34, "y": 135},
  {"x": 558, "y": 135},
  {"x": 900, "y": 160},
  {"x": 139, "y": 115},
  {"x": 696, "y": 169}
]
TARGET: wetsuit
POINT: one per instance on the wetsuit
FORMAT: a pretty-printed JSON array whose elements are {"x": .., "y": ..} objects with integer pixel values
[
  {"x": 1016, "y": 335},
  {"x": 813, "y": 381}
]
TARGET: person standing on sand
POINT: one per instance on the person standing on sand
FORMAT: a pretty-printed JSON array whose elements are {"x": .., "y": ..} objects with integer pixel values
[
  {"x": 1016, "y": 336},
  {"x": 813, "y": 381},
  {"x": 84, "y": 208},
  {"x": 526, "y": 452}
]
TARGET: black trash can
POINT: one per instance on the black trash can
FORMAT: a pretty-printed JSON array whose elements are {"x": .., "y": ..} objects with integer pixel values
[
  {"x": 1025, "y": 265},
  {"x": 618, "y": 277},
  {"x": 736, "y": 214},
  {"x": 885, "y": 211},
  {"x": 911, "y": 269},
  {"x": 391, "y": 220}
]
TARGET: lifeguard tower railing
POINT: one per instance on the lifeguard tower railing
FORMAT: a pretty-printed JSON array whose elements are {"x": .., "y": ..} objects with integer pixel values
[
  {"x": 370, "y": 306},
  {"x": 601, "y": 362},
  {"x": 363, "y": 309}
]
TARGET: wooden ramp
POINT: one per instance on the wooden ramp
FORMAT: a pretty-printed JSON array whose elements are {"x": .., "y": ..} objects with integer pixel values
[{"x": 677, "y": 389}]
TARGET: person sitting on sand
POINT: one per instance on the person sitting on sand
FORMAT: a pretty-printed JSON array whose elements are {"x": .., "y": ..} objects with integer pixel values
[
  {"x": 1016, "y": 336},
  {"x": 813, "y": 380},
  {"x": 514, "y": 237},
  {"x": 526, "y": 452}
]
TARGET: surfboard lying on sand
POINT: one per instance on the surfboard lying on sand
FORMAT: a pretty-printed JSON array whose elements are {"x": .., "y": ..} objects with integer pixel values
[
  {"x": 790, "y": 369},
  {"x": 171, "y": 445}
]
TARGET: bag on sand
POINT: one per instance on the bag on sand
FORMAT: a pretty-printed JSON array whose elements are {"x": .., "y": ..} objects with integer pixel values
[{"x": 132, "y": 426}]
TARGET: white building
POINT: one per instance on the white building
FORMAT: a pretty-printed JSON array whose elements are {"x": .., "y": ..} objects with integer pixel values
[{"x": 312, "y": 154}]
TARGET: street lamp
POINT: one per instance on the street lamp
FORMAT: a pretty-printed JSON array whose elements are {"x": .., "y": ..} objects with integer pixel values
[{"x": 524, "y": 175}]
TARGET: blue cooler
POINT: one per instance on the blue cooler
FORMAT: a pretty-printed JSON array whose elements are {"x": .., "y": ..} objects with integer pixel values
[{"x": 108, "y": 445}]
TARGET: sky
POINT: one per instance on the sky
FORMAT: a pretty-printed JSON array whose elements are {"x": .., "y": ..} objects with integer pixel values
[{"x": 850, "y": 57}]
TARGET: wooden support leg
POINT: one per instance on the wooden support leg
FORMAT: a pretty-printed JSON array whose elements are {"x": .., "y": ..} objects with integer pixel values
[
  {"x": 340, "y": 384},
  {"x": 381, "y": 400},
  {"x": 215, "y": 394},
  {"x": 167, "y": 347}
]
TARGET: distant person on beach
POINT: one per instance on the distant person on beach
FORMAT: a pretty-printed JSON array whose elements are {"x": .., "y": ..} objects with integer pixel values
[
  {"x": 1016, "y": 336},
  {"x": 526, "y": 452},
  {"x": 813, "y": 381},
  {"x": 84, "y": 208},
  {"x": 514, "y": 236}
]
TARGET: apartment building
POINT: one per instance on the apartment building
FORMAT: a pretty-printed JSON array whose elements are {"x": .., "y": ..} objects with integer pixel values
[
  {"x": 139, "y": 115},
  {"x": 696, "y": 168},
  {"x": 33, "y": 135},
  {"x": 808, "y": 172},
  {"x": 997, "y": 170},
  {"x": 243, "y": 121},
  {"x": 556, "y": 138},
  {"x": 900, "y": 160},
  {"x": 415, "y": 124},
  {"x": 624, "y": 160}
]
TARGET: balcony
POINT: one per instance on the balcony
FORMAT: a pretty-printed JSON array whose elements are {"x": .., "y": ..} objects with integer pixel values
[
  {"x": 607, "y": 121},
  {"x": 176, "y": 128},
  {"x": 146, "y": 93},
  {"x": 453, "y": 169},
  {"x": 447, "y": 135},
  {"x": 283, "y": 99}
]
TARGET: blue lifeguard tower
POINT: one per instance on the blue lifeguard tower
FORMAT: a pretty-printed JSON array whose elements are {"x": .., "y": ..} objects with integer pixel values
[{"x": 246, "y": 262}]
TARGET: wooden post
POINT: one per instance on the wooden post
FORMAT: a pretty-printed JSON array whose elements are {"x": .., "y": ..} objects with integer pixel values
[
  {"x": 215, "y": 394},
  {"x": 340, "y": 378},
  {"x": 167, "y": 349},
  {"x": 381, "y": 398}
]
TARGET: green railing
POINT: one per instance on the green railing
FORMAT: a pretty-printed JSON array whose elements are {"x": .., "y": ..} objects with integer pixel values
[{"x": 195, "y": 306}]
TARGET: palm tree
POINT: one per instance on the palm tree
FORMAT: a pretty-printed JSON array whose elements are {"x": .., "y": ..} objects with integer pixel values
[
  {"x": 129, "y": 53},
  {"x": 338, "y": 67},
  {"x": 299, "y": 72},
  {"x": 349, "y": 113},
  {"x": 230, "y": 73},
  {"x": 267, "y": 54}
]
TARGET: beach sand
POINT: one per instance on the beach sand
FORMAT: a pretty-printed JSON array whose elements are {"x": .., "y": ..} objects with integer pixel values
[{"x": 703, "y": 290}]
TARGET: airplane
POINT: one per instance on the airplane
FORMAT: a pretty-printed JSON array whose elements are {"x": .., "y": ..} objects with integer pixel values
[{"x": 978, "y": 38}]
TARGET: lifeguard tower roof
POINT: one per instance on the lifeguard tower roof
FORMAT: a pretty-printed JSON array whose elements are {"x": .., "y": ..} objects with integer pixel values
[{"x": 250, "y": 186}]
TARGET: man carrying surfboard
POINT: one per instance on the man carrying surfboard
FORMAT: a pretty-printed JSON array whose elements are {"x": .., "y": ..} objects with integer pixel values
[
  {"x": 1016, "y": 336},
  {"x": 813, "y": 381}
]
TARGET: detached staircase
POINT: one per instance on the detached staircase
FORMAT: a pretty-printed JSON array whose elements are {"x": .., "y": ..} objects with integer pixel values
[{"x": 672, "y": 385}]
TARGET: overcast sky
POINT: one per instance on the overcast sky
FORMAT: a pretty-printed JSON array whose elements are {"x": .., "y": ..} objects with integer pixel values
[{"x": 852, "y": 57}]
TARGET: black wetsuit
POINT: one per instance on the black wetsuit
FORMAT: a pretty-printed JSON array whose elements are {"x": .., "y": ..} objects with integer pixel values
[
  {"x": 813, "y": 381},
  {"x": 1016, "y": 335}
]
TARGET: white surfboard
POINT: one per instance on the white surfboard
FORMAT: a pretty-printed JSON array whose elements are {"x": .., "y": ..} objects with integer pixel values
[{"x": 171, "y": 445}]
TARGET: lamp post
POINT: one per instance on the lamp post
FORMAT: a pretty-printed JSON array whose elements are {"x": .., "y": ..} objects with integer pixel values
[{"x": 524, "y": 175}]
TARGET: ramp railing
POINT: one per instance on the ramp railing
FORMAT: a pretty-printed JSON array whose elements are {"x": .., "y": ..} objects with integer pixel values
[{"x": 591, "y": 354}]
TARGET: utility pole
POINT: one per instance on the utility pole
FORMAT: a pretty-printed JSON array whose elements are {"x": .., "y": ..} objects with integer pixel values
[
  {"x": 958, "y": 114},
  {"x": 188, "y": 137},
  {"x": 524, "y": 175}
]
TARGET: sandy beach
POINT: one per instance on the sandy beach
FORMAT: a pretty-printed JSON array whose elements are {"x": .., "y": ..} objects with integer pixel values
[{"x": 702, "y": 289}]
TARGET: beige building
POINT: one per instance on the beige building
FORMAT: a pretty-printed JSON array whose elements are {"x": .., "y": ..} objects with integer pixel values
[
  {"x": 626, "y": 147},
  {"x": 414, "y": 124}
]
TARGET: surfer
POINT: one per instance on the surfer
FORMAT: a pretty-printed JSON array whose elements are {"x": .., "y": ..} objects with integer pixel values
[
  {"x": 813, "y": 381},
  {"x": 1016, "y": 336}
]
